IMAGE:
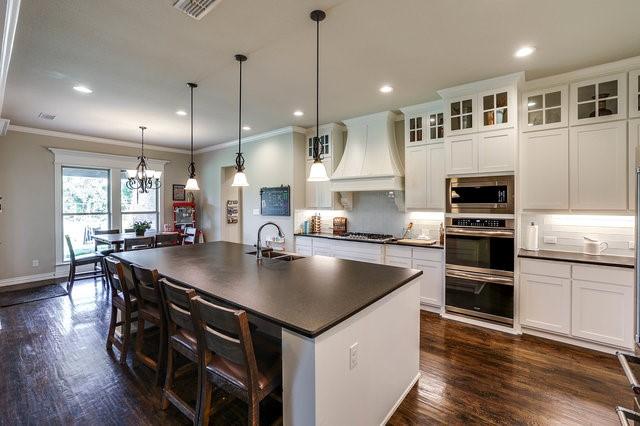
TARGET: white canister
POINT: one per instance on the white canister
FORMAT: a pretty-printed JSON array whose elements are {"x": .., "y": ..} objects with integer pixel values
[
  {"x": 593, "y": 246},
  {"x": 531, "y": 237}
]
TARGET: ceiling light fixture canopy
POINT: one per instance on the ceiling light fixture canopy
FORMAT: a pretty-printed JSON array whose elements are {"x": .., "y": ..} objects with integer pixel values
[
  {"x": 318, "y": 172},
  {"x": 143, "y": 179},
  {"x": 240, "y": 179},
  {"x": 192, "y": 183}
]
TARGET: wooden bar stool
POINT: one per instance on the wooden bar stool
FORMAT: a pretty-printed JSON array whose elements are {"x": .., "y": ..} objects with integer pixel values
[
  {"x": 182, "y": 339},
  {"x": 227, "y": 359},
  {"x": 149, "y": 310},
  {"x": 164, "y": 240},
  {"x": 121, "y": 300}
]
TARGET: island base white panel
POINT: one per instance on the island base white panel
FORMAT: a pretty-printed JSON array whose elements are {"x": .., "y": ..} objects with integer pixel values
[{"x": 320, "y": 387}]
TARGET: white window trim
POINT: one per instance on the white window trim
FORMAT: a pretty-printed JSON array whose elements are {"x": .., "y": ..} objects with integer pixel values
[{"x": 116, "y": 163}]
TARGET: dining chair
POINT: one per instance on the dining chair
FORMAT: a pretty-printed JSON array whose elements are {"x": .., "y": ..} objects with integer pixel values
[
  {"x": 138, "y": 243},
  {"x": 248, "y": 367},
  {"x": 80, "y": 260},
  {"x": 181, "y": 340},
  {"x": 190, "y": 235},
  {"x": 123, "y": 300},
  {"x": 167, "y": 239},
  {"x": 150, "y": 310},
  {"x": 129, "y": 230},
  {"x": 107, "y": 249}
]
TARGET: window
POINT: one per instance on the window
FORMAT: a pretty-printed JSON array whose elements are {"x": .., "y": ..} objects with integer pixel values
[
  {"x": 86, "y": 206},
  {"x": 135, "y": 206}
]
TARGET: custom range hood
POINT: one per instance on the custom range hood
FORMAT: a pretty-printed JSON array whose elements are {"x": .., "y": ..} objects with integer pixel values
[{"x": 370, "y": 161}]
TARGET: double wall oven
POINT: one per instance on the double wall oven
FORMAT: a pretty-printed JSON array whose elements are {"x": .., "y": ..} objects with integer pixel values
[{"x": 480, "y": 248}]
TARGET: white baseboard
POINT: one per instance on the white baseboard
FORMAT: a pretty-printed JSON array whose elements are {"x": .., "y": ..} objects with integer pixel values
[
  {"x": 429, "y": 308},
  {"x": 402, "y": 397},
  {"x": 26, "y": 279},
  {"x": 575, "y": 342}
]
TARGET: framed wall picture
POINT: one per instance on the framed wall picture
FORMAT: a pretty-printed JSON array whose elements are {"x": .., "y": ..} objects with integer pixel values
[{"x": 179, "y": 193}]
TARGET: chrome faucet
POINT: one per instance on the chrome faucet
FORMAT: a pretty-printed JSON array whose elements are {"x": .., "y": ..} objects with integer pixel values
[{"x": 258, "y": 244}]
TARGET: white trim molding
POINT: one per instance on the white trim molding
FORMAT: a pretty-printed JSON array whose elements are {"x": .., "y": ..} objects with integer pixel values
[
  {"x": 11, "y": 13},
  {"x": 253, "y": 138},
  {"x": 26, "y": 279}
]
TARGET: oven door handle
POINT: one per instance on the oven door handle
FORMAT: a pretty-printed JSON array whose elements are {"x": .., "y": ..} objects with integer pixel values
[
  {"x": 480, "y": 233},
  {"x": 480, "y": 277}
]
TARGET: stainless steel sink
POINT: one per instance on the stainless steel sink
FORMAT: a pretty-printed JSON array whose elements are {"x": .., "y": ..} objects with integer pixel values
[{"x": 277, "y": 255}]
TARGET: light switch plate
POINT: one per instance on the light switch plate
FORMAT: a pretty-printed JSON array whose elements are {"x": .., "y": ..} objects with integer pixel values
[
  {"x": 353, "y": 356},
  {"x": 256, "y": 212},
  {"x": 632, "y": 245},
  {"x": 550, "y": 239}
]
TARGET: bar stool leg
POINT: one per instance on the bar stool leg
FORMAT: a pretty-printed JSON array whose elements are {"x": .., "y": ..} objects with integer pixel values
[
  {"x": 126, "y": 337},
  {"x": 112, "y": 327}
]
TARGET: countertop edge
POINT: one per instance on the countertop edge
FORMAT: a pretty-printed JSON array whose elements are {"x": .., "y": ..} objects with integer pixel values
[
  {"x": 574, "y": 257},
  {"x": 388, "y": 243}
]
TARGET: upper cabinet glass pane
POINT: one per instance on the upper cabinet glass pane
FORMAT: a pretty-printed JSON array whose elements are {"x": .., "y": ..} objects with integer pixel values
[
  {"x": 467, "y": 106},
  {"x": 552, "y": 99},
  {"x": 587, "y": 110},
  {"x": 535, "y": 118},
  {"x": 487, "y": 102},
  {"x": 501, "y": 100},
  {"x": 455, "y": 123},
  {"x": 534, "y": 102},
  {"x": 419, "y": 122},
  {"x": 467, "y": 121},
  {"x": 412, "y": 123},
  {"x": 607, "y": 107},
  {"x": 440, "y": 119},
  {"x": 553, "y": 115},
  {"x": 608, "y": 89},
  {"x": 455, "y": 108},
  {"x": 489, "y": 118},
  {"x": 586, "y": 93},
  {"x": 502, "y": 116}
]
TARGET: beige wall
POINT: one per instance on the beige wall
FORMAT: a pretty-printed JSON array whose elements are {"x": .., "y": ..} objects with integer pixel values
[{"x": 27, "y": 191}]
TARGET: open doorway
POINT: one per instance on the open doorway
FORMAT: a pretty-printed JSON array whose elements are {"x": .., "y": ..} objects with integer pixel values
[{"x": 231, "y": 203}]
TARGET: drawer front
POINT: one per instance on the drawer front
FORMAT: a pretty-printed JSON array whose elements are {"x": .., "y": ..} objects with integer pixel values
[
  {"x": 322, "y": 251},
  {"x": 547, "y": 268},
  {"x": 398, "y": 251},
  {"x": 304, "y": 250},
  {"x": 402, "y": 262},
  {"x": 604, "y": 274},
  {"x": 304, "y": 241},
  {"x": 431, "y": 254},
  {"x": 358, "y": 256},
  {"x": 322, "y": 242},
  {"x": 364, "y": 248}
]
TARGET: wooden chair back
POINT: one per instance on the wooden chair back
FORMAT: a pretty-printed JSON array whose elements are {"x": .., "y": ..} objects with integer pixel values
[
  {"x": 138, "y": 243},
  {"x": 104, "y": 232},
  {"x": 225, "y": 332},
  {"x": 147, "y": 287},
  {"x": 72, "y": 253},
  {"x": 177, "y": 305},
  {"x": 169, "y": 239},
  {"x": 116, "y": 278},
  {"x": 190, "y": 235},
  {"x": 129, "y": 230}
]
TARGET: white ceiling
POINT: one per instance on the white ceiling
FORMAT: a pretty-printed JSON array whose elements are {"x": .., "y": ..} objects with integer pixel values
[{"x": 138, "y": 55}]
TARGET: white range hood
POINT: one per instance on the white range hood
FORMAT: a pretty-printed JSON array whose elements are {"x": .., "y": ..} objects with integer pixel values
[{"x": 370, "y": 161}]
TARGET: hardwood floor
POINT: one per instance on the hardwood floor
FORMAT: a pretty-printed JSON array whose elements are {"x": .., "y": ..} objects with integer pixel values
[{"x": 55, "y": 370}]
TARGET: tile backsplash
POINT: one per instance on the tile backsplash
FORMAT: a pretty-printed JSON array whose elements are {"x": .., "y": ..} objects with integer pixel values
[{"x": 570, "y": 230}]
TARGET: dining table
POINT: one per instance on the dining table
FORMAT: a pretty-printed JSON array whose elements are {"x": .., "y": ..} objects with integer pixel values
[{"x": 116, "y": 240}]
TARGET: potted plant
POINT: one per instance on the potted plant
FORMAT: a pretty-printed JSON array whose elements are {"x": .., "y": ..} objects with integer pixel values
[{"x": 140, "y": 226}]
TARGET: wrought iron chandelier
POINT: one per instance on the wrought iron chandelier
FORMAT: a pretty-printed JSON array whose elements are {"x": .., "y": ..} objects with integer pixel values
[{"x": 143, "y": 179}]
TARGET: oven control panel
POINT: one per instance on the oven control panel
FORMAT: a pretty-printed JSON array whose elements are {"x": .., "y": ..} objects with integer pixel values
[{"x": 479, "y": 222}]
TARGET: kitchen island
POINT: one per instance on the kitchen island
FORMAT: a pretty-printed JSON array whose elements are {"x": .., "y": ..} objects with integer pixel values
[{"x": 349, "y": 330}]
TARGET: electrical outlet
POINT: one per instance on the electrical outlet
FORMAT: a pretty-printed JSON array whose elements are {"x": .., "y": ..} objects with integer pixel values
[
  {"x": 550, "y": 239},
  {"x": 353, "y": 356},
  {"x": 35, "y": 263},
  {"x": 631, "y": 245}
]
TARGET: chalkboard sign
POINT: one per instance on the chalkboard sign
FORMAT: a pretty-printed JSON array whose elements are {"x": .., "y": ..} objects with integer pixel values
[{"x": 275, "y": 201}]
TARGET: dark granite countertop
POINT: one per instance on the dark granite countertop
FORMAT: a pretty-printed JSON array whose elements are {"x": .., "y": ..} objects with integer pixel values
[
  {"x": 335, "y": 237},
  {"x": 308, "y": 295},
  {"x": 565, "y": 256}
]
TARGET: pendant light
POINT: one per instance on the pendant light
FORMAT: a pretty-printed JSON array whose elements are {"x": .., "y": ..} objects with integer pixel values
[
  {"x": 317, "y": 173},
  {"x": 192, "y": 183},
  {"x": 240, "y": 179},
  {"x": 143, "y": 179}
]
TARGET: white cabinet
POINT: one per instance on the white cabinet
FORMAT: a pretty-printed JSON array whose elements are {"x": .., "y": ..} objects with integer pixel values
[
  {"x": 304, "y": 246},
  {"x": 496, "y": 151},
  {"x": 599, "y": 99},
  {"x": 416, "y": 177},
  {"x": 598, "y": 166},
  {"x": 460, "y": 115},
  {"x": 423, "y": 123},
  {"x": 634, "y": 143},
  {"x": 435, "y": 126},
  {"x": 397, "y": 261},
  {"x": 415, "y": 133},
  {"x": 436, "y": 174},
  {"x": 497, "y": 109},
  {"x": 546, "y": 303},
  {"x": 545, "y": 109},
  {"x": 431, "y": 282},
  {"x": 544, "y": 170},
  {"x": 318, "y": 195},
  {"x": 461, "y": 154},
  {"x": 634, "y": 93}
]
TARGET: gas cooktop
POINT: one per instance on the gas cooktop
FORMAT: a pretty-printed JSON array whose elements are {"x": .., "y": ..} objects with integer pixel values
[{"x": 365, "y": 236}]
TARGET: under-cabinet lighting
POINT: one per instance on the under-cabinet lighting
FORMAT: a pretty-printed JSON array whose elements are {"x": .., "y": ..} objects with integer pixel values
[
  {"x": 435, "y": 216},
  {"x": 592, "y": 220}
]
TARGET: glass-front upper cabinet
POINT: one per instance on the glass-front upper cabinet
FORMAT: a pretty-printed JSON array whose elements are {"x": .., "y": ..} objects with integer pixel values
[
  {"x": 496, "y": 109},
  {"x": 460, "y": 117},
  {"x": 436, "y": 126},
  {"x": 325, "y": 146},
  {"x": 544, "y": 109},
  {"x": 416, "y": 130},
  {"x": 599, "y": 99},
  {"x": 634, "y": 93}
]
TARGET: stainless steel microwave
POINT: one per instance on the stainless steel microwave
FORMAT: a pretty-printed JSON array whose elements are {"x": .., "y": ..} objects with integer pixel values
[{"x": 483, "y": 194}]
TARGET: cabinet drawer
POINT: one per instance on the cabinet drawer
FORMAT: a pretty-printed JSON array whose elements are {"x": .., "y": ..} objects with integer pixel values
[
  {"x": 364, "y": 248},
  {"x": 398, "y": 251},
  {"x": 432, "y": 254},
  {"x": 304, "y": 241},
  {"x": 603, "y": 274},
  {"x": 322, "y": 251},
  {"x": 547, "y": 268},
  {"x": 402, "y": 262},
  {"x": 322, "y": 243},
  {"x": 304, "y": 250}
]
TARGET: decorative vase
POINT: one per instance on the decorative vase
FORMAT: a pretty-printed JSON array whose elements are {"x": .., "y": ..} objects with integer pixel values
[{"x": 140, "y": 232}]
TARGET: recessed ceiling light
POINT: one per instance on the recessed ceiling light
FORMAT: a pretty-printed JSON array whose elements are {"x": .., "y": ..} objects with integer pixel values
[
  {"x": 181, "y": 112},
  {"x": 524, "y": 51},
  {"x": 386, "y": 89},
  {"x": 246, "y": 128},
  {"x": 298, "y": 113},
  {"x": 82, "y": 89}
]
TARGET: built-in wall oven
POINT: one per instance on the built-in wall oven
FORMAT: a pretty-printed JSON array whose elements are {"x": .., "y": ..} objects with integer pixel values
[
  {"x": 483, "y": 194},
  {"x": 479, "y": 256}
]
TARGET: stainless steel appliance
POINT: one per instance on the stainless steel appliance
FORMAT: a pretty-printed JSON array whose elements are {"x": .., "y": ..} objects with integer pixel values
[
  {"x": 479, "y": 255},
  {"x": 486, "y": 194},
  {"x": 365, "y": 236}
]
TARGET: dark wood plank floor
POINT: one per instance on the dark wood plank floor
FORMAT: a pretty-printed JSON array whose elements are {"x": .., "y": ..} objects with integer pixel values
[{"x": 55, "y": 370}]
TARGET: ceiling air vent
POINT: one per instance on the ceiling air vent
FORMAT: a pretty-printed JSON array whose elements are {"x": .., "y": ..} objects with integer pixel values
[
  {"x": 197, "y": 9},
  {"x": 45, "y": 116}
]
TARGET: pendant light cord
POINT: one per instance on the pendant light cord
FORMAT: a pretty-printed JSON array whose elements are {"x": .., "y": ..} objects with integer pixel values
[
  {"x": 240, "y": 113},
  {"x": 191, "y": 124},
  {"x": 318, "y": 85}
]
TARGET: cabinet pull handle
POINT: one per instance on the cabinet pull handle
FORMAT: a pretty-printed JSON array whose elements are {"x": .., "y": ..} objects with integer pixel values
[{"x": 624, "y": 362}]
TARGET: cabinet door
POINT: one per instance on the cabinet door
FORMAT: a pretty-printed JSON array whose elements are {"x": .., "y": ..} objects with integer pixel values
[
  {"x": 496, "y": 109},
  {"x": 545, "y": 109},
  {"x": 435, "y": 176},
  {"x": 401, "y": 262},
  {"x": 599, "y": 99},
  {"x": 461, "y": 154},
  {"x": 414, "y": 130},
  {"x": 496, "y": 151},
  {"x": 435, "y": 124},
  {"x": 634, "y": 93},
  {"x": 545, "y": 303},
  {"x": 322, "y": 251},
  {"x": 544, "y": 170},
  {"x": 598, "y": 166},
  {"x": 416, "y": 177},
  {"x": 634, "y": 143},
  {"x": 603, "y": 312},
  {"x": 323, "y": 189},
  {"x": 460, "y": 115},
  {"x": 431, "y": 282},
  {"x": 325, "y": 145}
]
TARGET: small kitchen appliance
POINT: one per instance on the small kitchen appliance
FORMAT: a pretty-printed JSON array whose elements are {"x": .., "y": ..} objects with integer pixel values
[
  {"x": 339, "y": 225},
  {"x": 485, "y": 194},
  {"x": 593, "y": 246}
]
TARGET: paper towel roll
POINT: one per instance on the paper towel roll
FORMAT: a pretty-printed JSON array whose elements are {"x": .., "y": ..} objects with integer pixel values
[{"x": 531, "y": 237}]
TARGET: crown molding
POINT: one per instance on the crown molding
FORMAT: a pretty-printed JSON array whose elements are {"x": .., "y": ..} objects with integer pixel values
[
  {"x": 515, "y": 79},
  {"x": 85, "y": 138},
  {"x": 432, "y": 106},
  {"x": 11, "y": 13},
  {"x": 253, "y": 138}
]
